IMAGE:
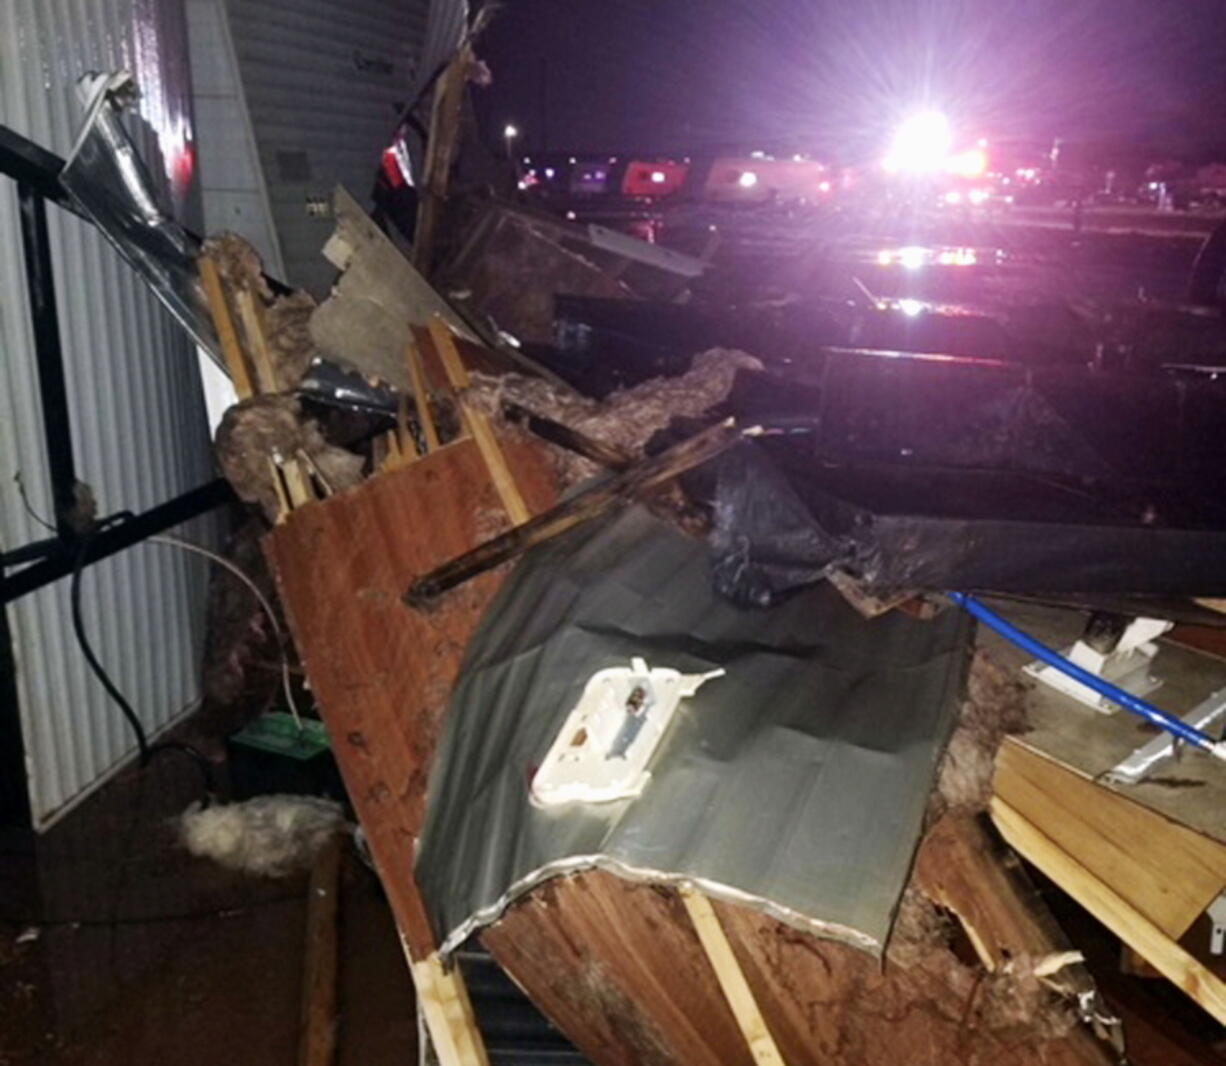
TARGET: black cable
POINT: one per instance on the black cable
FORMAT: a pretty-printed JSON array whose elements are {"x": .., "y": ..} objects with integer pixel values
[
  {"x": 21, "y": 488},
  {"x": 146, "y": 751}
]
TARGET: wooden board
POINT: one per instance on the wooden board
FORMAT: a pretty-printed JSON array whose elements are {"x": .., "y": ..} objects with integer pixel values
[
  {"x": 382, "y": 673},
  {"x": 317, "y": 1025},
  {"x": 1167, "y": 872},
  {"x": 731, "y": 979},
  {"x": 618, "y": 967},
  {"x": 1113, "y": 909},
  {"x": 449, "y": 1014},
  {"x": 962, "y": 869}
]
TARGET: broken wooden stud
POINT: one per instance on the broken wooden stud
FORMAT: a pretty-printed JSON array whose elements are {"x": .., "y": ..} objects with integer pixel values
[
  {"x": 317, "y": 1028},
  {"x": 297, "y": 484},
  {"x": 449, "y": 1013},
  {"x": 231, "y": 350},
  {"x": 257, "y": 343},
  {"x": 441, "y": 142},
  {"x": 478, "y": 423},
  {"x": 312, "y": 467},
  {"x": 582, "y": 507},
  {"x": 731, "y": 978},
  {"x": 278, "y": 486}
]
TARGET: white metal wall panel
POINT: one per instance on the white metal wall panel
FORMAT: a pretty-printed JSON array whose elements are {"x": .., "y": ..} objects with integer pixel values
[
  {"x": 231, "y": 181},
  {"x": 322, "y": 81},
  {"x": 138, "y": 419}
]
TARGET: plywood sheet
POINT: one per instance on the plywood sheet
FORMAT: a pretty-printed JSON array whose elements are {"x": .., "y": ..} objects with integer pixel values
[
  {"x": 1168, "y": 872},
  {"x": 618, "y": 967},
  {"x": 381, "y": 672}
]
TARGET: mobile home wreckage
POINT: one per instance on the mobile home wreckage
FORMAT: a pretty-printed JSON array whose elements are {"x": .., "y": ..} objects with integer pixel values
[{"x": 656, "y": 623}]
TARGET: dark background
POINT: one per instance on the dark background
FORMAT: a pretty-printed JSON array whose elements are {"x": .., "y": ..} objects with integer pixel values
[{"x": 834, "y": 76}]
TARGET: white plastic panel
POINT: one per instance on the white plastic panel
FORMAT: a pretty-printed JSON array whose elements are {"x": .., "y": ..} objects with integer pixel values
[{"x": 137, "y": 412}]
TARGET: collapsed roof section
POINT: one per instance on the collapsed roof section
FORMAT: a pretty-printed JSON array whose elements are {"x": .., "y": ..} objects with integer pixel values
[{"x": 795, "y": 784}]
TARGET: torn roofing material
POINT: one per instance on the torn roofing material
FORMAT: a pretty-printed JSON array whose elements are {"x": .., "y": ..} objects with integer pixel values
[{"x": 796, "y": 783}]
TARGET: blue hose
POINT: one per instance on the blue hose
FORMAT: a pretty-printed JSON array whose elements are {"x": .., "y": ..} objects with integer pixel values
[{"x": 1054, "y": 659}]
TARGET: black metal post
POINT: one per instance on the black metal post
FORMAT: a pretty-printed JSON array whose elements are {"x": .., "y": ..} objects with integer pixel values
[
  {"x": 118, "y": 537},
  {"x": 28, "y": 553},
  {"x": 40, "y": 284}
]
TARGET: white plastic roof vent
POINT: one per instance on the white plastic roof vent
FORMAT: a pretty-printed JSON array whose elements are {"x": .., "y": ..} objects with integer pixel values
[{"x": 604, "y": 746}]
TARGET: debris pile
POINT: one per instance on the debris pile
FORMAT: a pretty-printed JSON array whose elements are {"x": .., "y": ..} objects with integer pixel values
[{"x": 442, "y": 402}]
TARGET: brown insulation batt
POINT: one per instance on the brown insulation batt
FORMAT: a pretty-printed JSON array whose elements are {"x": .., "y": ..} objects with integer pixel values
[{"x": 626, "y": 419}]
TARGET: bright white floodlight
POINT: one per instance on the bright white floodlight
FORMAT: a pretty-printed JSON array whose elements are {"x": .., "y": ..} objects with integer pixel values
[{"x": 921, "y": 144}]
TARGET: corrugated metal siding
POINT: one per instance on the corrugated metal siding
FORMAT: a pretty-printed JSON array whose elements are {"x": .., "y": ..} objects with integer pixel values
[
  {"x": 322, "y": 80},
  {"x": 138, "y": 419},
  {"x": 231, "y": 179}
]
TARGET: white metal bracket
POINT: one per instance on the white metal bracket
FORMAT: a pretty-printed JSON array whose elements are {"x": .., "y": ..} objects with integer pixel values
[{"x": 1128, "y": 666}]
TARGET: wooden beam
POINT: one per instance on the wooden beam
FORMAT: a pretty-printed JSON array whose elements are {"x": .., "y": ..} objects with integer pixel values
[
  {"x": 1112, "y": 909},
  {"x": 731, "y": 979},
  {"x": 297, "y": 484},
  {"x": 1166, "y": 871},
  {"x": 445, "y": 118},
  {"x": 231, "y": 350},
  {"x": 584, "y": 506},
  {"x": 477, "y": 422},
  {"x": 257, "y": 343},
  {"x": 444, "y": 1001},
  {"x": 278, "y": 486},
  {"x": 317, "y": 1027}
]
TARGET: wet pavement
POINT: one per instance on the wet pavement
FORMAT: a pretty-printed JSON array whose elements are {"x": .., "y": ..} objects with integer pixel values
[{"x": 118, "y": 947}]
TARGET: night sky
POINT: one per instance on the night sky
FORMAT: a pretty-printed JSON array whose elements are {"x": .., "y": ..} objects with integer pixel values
[{"x": 834, "y": 75}]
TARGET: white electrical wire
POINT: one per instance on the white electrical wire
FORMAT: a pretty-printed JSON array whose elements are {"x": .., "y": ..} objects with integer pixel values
[{"x": 187, "y": 545}]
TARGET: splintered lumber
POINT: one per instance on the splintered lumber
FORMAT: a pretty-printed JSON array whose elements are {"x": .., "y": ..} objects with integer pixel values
[
  {"x": 582, "y": 507},
  {"x": 317, "y": 1029},
  {"x": 449, "y": 1014},
  {"x": 960, "y": 868},
  {"x": 1165, "y": 871},
  {"x": 618, "y": 967},
  {"x": 477, "y": 423},
  {"x": 231, "y": 350},
  {"x": 731, "y": 980},
  {"x": 963, "y": 869},
  {"x": 257, "y": 342},
  {"x": 1110, "y": 907}
]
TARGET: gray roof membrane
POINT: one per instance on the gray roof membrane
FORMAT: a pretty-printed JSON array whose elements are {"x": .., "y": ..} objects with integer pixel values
[{"x": 795, "y": 784}]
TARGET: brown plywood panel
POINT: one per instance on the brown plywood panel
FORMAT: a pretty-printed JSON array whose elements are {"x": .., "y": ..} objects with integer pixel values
[
  {"x": 381, "y": 672},
  {"x": 617, "y": 966}
]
